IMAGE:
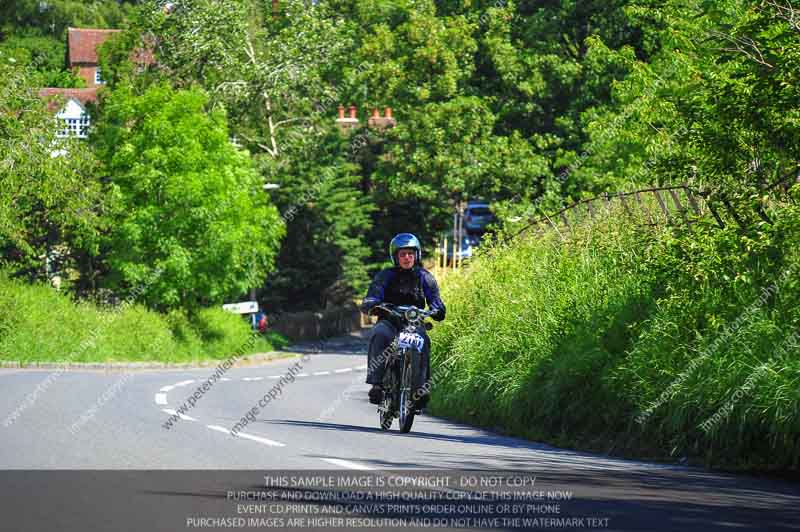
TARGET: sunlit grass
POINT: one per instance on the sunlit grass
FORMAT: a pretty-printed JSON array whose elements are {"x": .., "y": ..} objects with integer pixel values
[
  {"x": 570, "y": 341},
  {"x": 39, "y": 324}
]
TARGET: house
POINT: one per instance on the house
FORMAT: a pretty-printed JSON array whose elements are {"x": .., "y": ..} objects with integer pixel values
[
  {"x": 82, "y": 46},
  {"x": 70, "y": 104}
]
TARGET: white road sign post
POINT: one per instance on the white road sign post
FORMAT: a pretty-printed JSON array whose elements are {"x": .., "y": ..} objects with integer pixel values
[{"x": 246, "y": 307}]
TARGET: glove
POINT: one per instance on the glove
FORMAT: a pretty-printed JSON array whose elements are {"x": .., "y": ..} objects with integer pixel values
[{"x": 377, "y": 311}]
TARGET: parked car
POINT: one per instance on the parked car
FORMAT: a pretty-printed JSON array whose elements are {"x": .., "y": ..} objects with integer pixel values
[{"x": 477, "y": 215}]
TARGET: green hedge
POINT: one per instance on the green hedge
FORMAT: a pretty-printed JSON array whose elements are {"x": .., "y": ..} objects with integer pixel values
[
  {"x": 658, "y": 343},
  {"x": 38, "y": 323}
]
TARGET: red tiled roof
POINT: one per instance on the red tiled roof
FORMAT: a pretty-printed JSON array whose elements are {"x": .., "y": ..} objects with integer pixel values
[
  {"x": 82, "y": 44},
  {"x": 57, "y": 97}
]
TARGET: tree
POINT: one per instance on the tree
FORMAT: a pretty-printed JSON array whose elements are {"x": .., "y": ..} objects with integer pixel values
[
  {"x": 412, "y": 56},
  {"x": 44, "y": 55},
  {"x": 445, "y": 152},
  {"x": 55, "y": 16},
  {"x": 50, "y": 196},
  {"x": 323, "y": 257},
  {"x": 192, "y": 211},
  {"x": 716, "y": 105},
  {"x": 278, "y": 77},
  {"x": 273, "y": 74}
]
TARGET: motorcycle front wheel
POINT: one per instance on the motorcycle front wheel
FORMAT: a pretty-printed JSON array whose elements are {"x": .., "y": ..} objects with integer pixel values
[
  {"x": 410, "y": 382},
  {"x": 386, "y": 410}
]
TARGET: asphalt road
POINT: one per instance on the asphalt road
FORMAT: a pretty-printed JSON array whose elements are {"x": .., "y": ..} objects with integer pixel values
[{"x": 90, "y": 450}]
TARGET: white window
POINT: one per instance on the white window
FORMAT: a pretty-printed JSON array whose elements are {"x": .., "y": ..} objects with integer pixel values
[
  {"x": 75, "y": 127},
  {"x": 98, "y": 80}
]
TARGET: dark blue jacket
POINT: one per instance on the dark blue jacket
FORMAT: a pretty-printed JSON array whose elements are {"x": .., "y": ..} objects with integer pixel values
[{"x": 397, "y": 286}]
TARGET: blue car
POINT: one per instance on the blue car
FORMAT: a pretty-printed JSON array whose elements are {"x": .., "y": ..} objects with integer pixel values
[{"x": 477, "y": 215}]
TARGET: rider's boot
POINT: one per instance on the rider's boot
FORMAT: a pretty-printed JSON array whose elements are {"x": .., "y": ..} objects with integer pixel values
[
  {"x": 422, "y": 402},
  {"x": 376, "y": 394}
]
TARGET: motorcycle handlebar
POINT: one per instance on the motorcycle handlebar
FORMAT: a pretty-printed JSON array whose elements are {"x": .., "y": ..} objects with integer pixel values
[{"x": 402, "y": 311}]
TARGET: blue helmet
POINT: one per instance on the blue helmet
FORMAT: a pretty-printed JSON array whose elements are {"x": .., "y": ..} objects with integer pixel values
[{"x": 405, "y": 240}]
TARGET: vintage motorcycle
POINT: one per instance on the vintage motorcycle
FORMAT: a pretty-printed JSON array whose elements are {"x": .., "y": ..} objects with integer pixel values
[{"x": 404, "y": 376}]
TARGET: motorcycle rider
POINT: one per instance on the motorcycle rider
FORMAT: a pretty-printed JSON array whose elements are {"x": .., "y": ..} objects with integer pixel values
[{"x": 407, "y": 283}]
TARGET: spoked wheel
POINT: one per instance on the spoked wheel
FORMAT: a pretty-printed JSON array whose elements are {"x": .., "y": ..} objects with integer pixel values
[
  {"x": 406, "y": 410},
  {"x": 410, "y": 382},
  {"x": 386, "y": 412}
]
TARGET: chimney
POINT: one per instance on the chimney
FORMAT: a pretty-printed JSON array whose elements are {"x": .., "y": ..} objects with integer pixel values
[
  {"x": 382, "y": 122},
  {"x": 347, "y": 124}
]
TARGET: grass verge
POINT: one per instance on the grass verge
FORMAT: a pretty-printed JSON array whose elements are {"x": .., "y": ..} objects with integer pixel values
[
  {"x": 38, "y": 324},
  {"x": 664, "y": 343}
]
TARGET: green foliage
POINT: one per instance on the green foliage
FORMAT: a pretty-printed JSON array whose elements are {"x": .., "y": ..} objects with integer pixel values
[
  {"x": 46, "y": 200},
  {"x": 273, "y": 77},
  {"x": 529, "y": 105},
  {"x": 44, "y": 57},
  {"x": 322, "y": 259},
  {"x": 271, "y": 74},
  {"x": 663, "y": 326},
  {"x": 191, "y": 209},
  {"x": 55, "y": 16},
  {"x": 713, "y": 105},
  {"x": 39, "y": 324},
  {"x": 221, "y": 27},
  {"x": 422, "y": 58},
  {"x": 538, "y": 65},
  {"x": 489, "y": 99},
  {"x": 445, "y": 151}
]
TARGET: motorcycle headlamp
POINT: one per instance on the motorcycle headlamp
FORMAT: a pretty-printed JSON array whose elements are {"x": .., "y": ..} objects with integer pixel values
[{"x": 412, "y": 315}]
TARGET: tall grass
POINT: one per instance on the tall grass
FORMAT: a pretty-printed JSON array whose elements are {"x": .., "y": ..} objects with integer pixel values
[
  {"x": 39, "y": 324},
  {"x": 617, "y": 338}
]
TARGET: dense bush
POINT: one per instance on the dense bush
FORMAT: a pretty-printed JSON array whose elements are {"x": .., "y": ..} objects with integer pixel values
[
  {"x": 39, "y": 324},
  {"x": 664, "y": 343}
]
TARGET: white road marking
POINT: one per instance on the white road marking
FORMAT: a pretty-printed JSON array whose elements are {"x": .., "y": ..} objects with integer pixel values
[
  {"x": 161, "y": 399},
  {"x": 265, "y": 441},
  {"x": 259, "y": 439},
  {"x": 176, "y": 413},
  {"x": 348, "y": 464}
]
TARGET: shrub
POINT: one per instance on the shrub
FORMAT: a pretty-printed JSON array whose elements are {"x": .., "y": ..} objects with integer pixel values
[
  {"x": 39, "y": 324},
  {"x": 627, "y": 339}
]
